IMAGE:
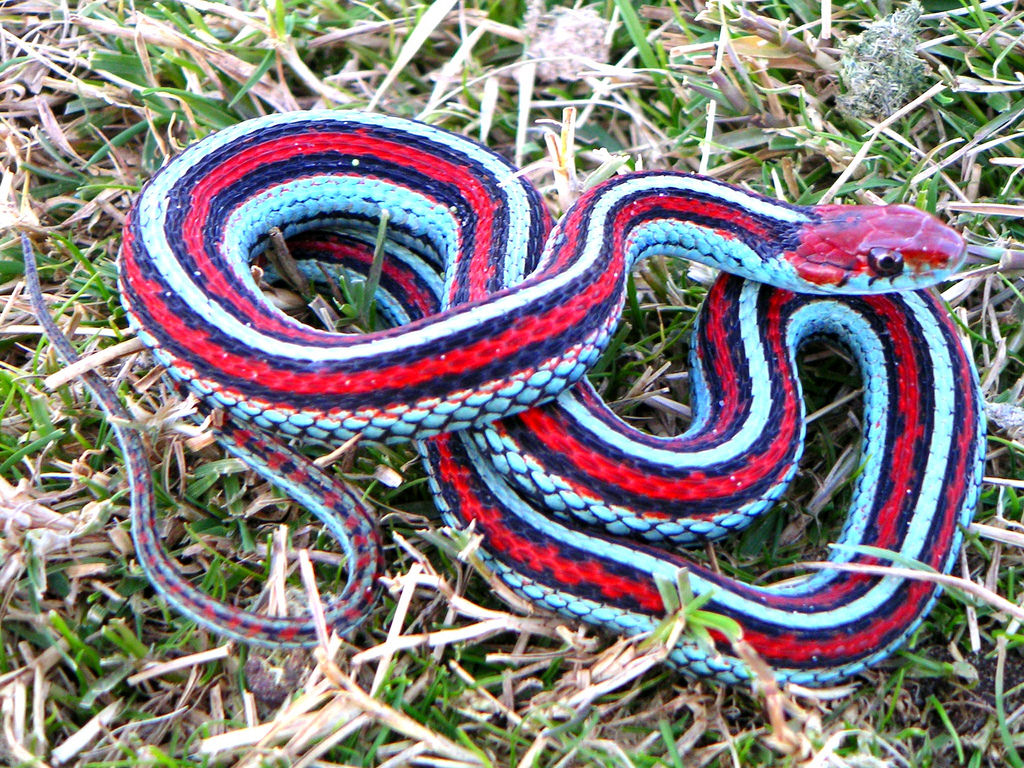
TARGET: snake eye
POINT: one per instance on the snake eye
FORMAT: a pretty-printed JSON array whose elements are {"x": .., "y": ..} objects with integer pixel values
[{"x": 885, "y": 262}]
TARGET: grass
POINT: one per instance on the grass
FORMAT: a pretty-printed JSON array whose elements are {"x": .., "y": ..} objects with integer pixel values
[{"x": 94, "y": 671}]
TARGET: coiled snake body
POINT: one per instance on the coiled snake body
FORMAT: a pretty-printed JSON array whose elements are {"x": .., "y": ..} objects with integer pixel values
[{"x": 497, "y": 318}]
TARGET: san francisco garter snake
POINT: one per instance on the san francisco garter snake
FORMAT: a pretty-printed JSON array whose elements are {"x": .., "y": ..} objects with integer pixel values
[{"x": 497, "y": 316}]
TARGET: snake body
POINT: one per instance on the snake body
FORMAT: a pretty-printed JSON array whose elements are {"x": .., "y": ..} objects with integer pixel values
[{"x": 498, "y": 314}]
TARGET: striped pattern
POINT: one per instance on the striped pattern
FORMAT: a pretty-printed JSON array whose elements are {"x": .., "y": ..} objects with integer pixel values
[
  {"x": 498, "y": 313},
  {"x": 918, "y": 485},
  {"x": 343, "y": 512}
]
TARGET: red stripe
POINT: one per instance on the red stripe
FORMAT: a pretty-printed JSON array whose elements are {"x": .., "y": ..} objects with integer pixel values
[
  {"x": 332, "y": 378},
  {"x": 414, "y": 294},
  {"x": 684, "y": 207},
  {"x": 825, "y": 648},
  {"x": 511, "y": 547}
]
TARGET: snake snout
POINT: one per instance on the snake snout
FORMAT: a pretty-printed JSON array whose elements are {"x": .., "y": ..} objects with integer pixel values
[{"x": 936, "y": 247}]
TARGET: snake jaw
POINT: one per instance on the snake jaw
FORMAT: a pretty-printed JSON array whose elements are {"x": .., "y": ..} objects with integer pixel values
[{"x": 851, "y": 248}]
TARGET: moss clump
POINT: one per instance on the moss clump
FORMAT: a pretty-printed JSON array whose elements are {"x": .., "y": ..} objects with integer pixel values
[{"x": 880, "y": 68}]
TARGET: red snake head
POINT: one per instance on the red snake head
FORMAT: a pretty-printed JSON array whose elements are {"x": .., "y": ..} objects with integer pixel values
[{"x": 853, "y": 247}]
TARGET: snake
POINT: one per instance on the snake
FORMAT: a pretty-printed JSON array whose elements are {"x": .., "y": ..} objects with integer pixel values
[{"x": 492, "y": 316}]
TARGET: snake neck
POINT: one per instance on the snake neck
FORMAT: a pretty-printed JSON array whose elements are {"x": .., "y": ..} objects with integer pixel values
[{"x": 827, "y": 249}]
